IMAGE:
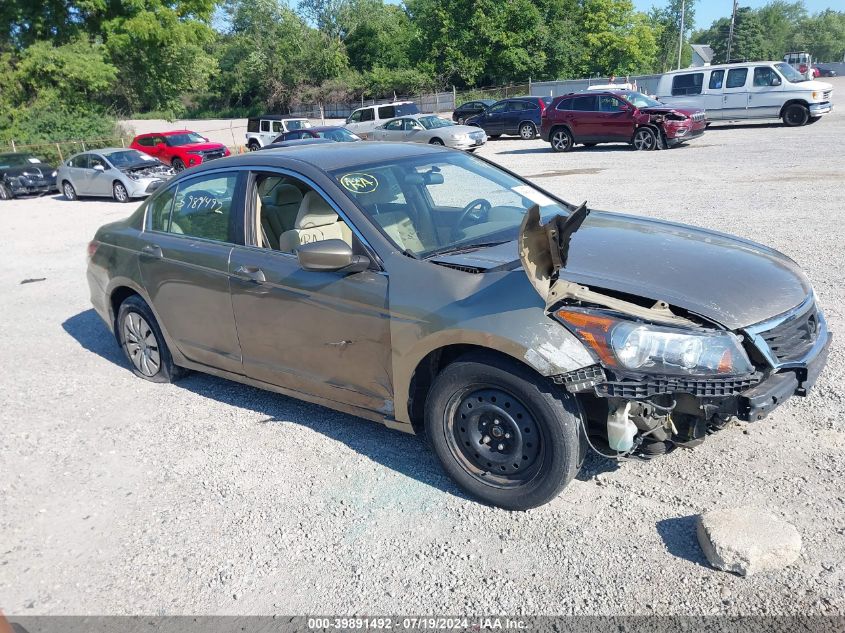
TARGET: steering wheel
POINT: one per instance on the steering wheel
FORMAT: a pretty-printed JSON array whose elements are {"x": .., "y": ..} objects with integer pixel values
[{"x": 475, "y": 210}]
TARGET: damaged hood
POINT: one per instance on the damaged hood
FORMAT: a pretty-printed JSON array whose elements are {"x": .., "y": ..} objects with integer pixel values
[{"x": 725, "y": 279}]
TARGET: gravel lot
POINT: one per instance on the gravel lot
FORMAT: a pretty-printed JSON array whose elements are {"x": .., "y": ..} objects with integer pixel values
[{"x": 120, "y": 496}]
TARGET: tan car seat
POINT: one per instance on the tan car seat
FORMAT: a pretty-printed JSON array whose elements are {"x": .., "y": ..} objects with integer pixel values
[
  {"x": 316, "y": 221},
  {"x": 396, "y": 224},
  {"x": 278, "y": 211}
]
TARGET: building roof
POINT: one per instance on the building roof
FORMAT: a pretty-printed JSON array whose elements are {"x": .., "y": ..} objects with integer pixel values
[{"x": 704, "y": 51}]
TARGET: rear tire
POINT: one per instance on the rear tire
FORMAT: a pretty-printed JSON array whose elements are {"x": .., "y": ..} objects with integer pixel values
[
  {"x": 527, "y": 131},
  {"x": 68, "y": 191},
  {"x": 501, "y": 432},
  {"x": 795, "y": 115},
  {"x": 561, "y": 140},
  {"x": 252, "y": 146},
  {"x": 435, "y": 141},
  {"x": 143, "y": 343}
]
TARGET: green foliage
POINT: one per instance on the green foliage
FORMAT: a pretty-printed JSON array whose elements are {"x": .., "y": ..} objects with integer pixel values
[
  {"x": 823, "y": 35},
  {"x": 665, "y": 22},
  {"x": 616, "y": 40}
]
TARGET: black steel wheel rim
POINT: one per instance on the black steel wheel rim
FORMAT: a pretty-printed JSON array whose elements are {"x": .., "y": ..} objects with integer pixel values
[
  {"x": 795, "y": 115},
  {"x": 493, "y": 436}
]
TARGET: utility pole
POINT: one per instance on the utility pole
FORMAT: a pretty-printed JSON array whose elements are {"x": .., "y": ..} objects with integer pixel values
[
  {"x": 681, "y": 34},
  {"x": 731, "y": 33}
]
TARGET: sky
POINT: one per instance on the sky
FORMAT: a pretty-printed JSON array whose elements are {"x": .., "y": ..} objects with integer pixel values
[{"x": 706, "y": 11}]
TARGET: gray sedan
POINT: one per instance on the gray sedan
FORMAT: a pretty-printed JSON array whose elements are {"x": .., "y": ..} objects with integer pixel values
[
  {"x": 120, "y": 173},
  {"x": 427, "y": 128}
]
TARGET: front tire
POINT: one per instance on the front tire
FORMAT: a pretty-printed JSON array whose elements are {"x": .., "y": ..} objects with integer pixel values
[
  {"x": 501, "y": 432},
  {"x": 143, "y": 343},
  {"x": 178, "y": 165},
  {"x": 561, "y": 140},
  {"x": 527, "y": 131},
  {"x": 645, "y": 140},
  {"x": 68, "y": 191},
  {"x": 252, "y": 146},
  {"x": 119, "y": 192},
  {"x": 795, "y": 115},
  {"x": 435, "y": 141}
]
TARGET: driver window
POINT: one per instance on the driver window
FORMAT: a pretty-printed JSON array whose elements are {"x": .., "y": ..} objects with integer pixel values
[
  {"x": 764, "y": 76},
  {"x": 394, "y": 125},
  {"x": 410, "y": 124},
  {"x": 277, "y": 126},
  {"x": 290, "y": 213},
  {"x": 355, "y": 117},
  {"x": 95, "y": 160}
]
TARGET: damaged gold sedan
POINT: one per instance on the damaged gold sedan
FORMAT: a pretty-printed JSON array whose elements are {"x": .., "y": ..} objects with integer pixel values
[{"x": 435, "y": 292}]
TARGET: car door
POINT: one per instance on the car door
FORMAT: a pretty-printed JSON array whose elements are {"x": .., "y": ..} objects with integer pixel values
[
  {"x": 97, "y": 182},
  {"x": 615, "y": 119},
  {"x": 513, "y": 115},
  {"x": 735, "y": 94},
  {"x": 320, "y": 333},
  {"x": 392, "y": 131},
  {"x": 584, "y": 126},
  {"x": 265, "y": 132},
  {"x": 191, "y": 230},
  {"x": 765, "y": 94},
  {"x": 493, "y": 121},
  {"x": 714, "y": 97},
  {"x": 76, "y": 169}
]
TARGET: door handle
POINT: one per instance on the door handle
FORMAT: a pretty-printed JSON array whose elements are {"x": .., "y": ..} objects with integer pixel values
[
  {"x": 251, "y": 273},
  {"x": 152, "y": 251}
]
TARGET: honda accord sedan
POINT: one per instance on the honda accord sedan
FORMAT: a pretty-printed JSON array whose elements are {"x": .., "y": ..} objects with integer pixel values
[{"x": 437, "y": 293}]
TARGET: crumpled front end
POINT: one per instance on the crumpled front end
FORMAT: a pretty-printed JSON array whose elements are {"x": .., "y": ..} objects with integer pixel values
[
  {"x": 143, "y": 181},
  {"x": 664, "y": 376}
]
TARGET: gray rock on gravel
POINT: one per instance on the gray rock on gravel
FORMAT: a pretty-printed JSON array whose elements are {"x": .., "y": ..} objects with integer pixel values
[{"x": 747, "y": 540}]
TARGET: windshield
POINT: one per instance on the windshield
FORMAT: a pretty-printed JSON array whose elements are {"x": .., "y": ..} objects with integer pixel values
[
  {"x": 792, "y": 75},
  {"x": 187, "y": 138},
  {"x": 429, "y": 205},
  {"x": 129, "y": 158},
  {"x": 298, "y": 124},
  {"x": 639, "y": 100},
  {"x": 16, "y": 160},
  {"x": 432, "y": 122},
  {"x": 341, "y": 135}
]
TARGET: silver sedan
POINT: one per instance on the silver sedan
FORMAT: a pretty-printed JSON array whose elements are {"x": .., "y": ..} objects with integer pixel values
[
  {"x": 120, "y": 173},
  {"x": 428, "y": 128}
]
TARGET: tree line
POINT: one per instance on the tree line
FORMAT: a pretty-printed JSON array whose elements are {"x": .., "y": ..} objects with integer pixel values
[{"x": 68, "y": 68}]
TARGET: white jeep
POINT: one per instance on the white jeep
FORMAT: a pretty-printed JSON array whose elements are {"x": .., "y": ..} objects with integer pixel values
[{"x": 263, "y": 130}]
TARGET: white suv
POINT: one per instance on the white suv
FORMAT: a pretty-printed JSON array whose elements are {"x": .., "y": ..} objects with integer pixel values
[
  {"x": 364, "y": 120},
  {"x": 263, "y": 130}
]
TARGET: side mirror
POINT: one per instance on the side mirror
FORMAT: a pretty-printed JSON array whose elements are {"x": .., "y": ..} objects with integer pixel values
[
  {"x": 776, "y": 81},
  {"x": 331, "y": 256},
  {"x": 99, "y": 168}
]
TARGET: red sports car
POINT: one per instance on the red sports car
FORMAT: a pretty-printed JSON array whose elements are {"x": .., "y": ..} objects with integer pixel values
[{"x": 180, "y": 148}]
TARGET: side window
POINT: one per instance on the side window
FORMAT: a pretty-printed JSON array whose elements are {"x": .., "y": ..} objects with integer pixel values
[
  {"x": 252, "y": 125},
  {"x": 499, "y": 107},
  {"x": 410, "y": 124},
  {"x": 202, "y": 208},
  {"x": 80, "y": 161},
  {"x": 530, "y": 105},
  {"x": 736, "y": 77},
  {"x": 516, "y": 106},
  {"x": 716, "y": 79},
  {"x": 265, "y": 126},
  {"x": 565, "y": 104},
  {"x": 386, "y": 112},
  {"x": 277, "y": 126},
  {"x": 584, "y": 104},
  {"x": 145, "y": 141},
  {"x": 94, "y": 160},
  {"x": 394, "y": 125},
  {"x": 290, "y": 213},
  {"x": 368, "y": 115},
  {"x": 609, "y": 104},
  {"x": 687, "y": 84},
  {"x": 764, "y": 76},
  {"x": 355, "y": 117},
  {"x": 158, "y": 211}
]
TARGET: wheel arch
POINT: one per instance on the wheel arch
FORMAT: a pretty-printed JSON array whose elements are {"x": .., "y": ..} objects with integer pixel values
[
  {"x": 565, "y": 126},
  {"x": 524, "y": 121},
  {"x": 801, "y": 102}
]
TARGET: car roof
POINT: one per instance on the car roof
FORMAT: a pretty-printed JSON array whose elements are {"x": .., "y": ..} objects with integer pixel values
[
  {"x": 698, "y": 69},
  {"x": 326, "y": 156},
  {"x": 321, "y": 128},
  {"x": 379, "y": 105}
]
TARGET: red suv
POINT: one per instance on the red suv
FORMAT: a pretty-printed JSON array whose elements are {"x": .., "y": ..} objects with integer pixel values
[
  {"x": 617, "y": 116},
  {"x": 180, "y": 148}
]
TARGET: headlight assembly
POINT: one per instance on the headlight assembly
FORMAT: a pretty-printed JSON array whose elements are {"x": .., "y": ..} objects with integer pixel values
[{"x": 642, "y": 347}]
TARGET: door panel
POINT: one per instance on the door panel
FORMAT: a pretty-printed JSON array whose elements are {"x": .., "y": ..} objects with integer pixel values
[
  {"x": 325, "y": 334},
  {"x": 735, "y": 94},
  {"x": 764, "y": 98}
]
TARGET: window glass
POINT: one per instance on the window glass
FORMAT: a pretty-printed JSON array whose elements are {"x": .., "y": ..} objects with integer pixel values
[
  {"x": 566, "y": 104},
  {"x": 736, "y": 77},
  {"x": 202, "y": 208},
  {"x": 394, "y": 125},
  {"x": 298, "y": 124},
  {"x": 405, "y": 109},
  {"x": 355, "y": 117},
  {"x": 80, "y": 161},
  {"x": 145, "y": 141},
  {"x": 765, "y": 76},
  {"x": 252, "y": 125},
  {"x": 368, "y": 115},
  {"x": 584, "y": 104},
  {"x": 499, "y": 107},
  {"x": 159, "y": 211},
  {"x": 94, "y": 160},
  {"x": 410, "y": 124},
  {"x": 277, "y": 126},
  {"x": 265, "y": 126},
  {"x": 386, "y": 112},
  {"x": 716, "y": 79},
  {"x": 689, "y": 84},
  {"x": 530, "y": 105},
  {"x": 609, "y": 104}
]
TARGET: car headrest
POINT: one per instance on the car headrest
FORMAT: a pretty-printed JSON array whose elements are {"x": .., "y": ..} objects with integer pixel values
[
  {"x": 286, "y": 194},
  {"x": 314, "y": 211}
]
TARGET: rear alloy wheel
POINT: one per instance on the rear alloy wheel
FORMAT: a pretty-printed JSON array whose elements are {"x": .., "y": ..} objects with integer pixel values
[
  {"x": 142, "y": 342},
  {"x": 528, "y": 131},
  {"x": 69, "y": 191},
  {"x": 253, "y": 146},
  {"x": 5, "y": 194},
  {"x": 177, "y": 165},
  {"x": 435, "y": 141},
  {"x": 501, "y": 433},
  {"x": 645, "y": 140},
  {"x": 561, "y": 140},
  {"x": 119, "y": 192},
  {"x": 795, "y": 115}
]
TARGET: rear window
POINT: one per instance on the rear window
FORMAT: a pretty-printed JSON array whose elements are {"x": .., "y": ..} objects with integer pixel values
[
  {"x": 687, "y": 84},
  {"x": 146, "y": 141},
  {"x": 530, "y": 105},
  {"x": 736, "y": 77},
  {"x": 386, "y": 112},
  {"x": 252, "y": 125}
]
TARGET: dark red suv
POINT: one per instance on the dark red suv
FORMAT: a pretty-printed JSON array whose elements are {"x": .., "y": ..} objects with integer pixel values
[
  {"x": 617, "y": 116},
  {"x": 179, "y": 148}
]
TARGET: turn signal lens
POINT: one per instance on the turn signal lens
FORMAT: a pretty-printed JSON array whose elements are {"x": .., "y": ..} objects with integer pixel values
[
  {"x": 92, "y": 248},
  {"x": 594, "y": 329}
]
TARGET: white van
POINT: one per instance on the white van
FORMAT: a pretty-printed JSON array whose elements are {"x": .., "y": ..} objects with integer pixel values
[
  {"x": 364, "y": 120},
  {"x": 752, "y": 90}
]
